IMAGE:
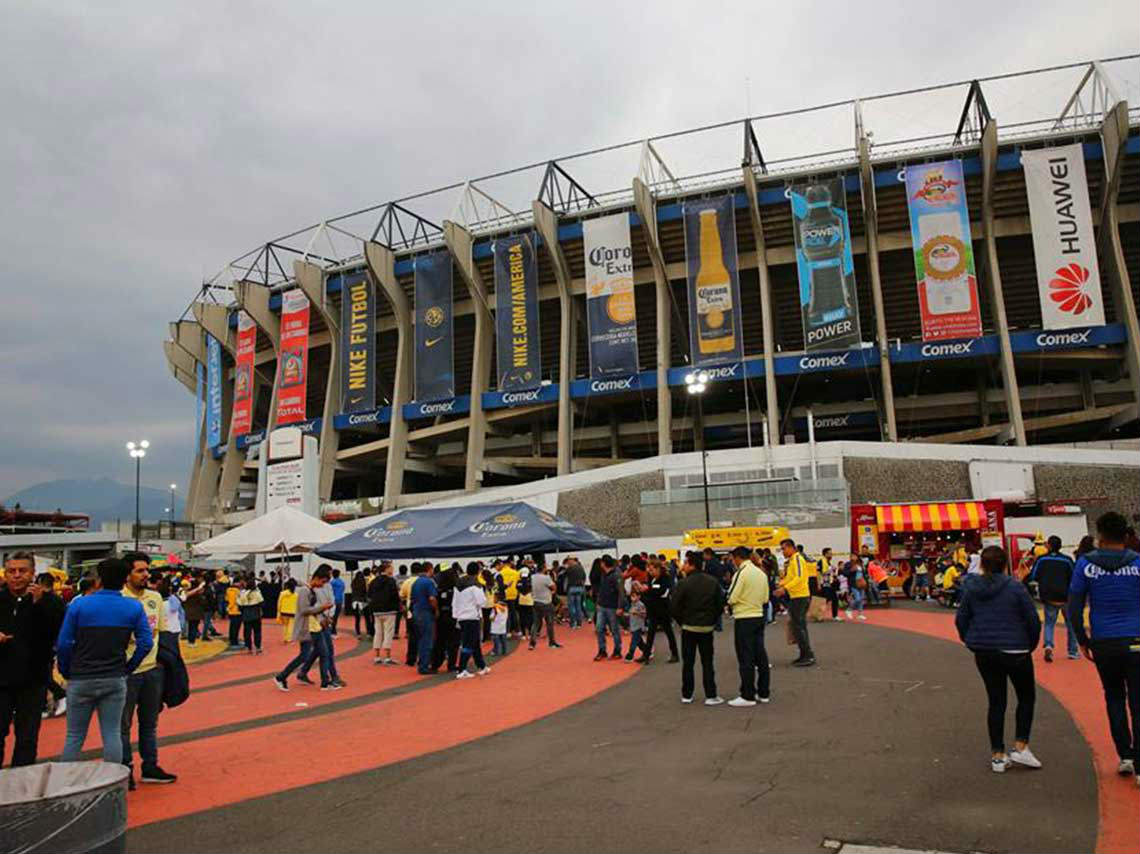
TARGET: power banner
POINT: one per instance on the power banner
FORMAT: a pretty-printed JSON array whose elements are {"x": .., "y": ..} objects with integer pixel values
[
  {"x": 435, "y": 357},
  {"x": 714, "y": 287},
  {"x": 516, "y": 314},
  {"x": 611, "y": 314},
  {"x": 358, "y": 344},
  {"x": 213, "y": 392},
  {"x": 243, "y": 375},
  {"x": 293, "y": 364},
  {"x": 943, "y": 251},
  {"x": 828, "y": 303},
  {"x": 1064, "y": 247}
]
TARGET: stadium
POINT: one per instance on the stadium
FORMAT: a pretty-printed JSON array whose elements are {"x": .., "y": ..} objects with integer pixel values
[{"x": 944, "y": 276}]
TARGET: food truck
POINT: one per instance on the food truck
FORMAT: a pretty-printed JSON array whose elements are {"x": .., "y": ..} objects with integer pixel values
[{"x": 906, "y": 531}]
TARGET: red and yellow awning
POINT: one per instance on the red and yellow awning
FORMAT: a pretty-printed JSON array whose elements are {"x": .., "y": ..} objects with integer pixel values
[{"x": 948, "y": 516}]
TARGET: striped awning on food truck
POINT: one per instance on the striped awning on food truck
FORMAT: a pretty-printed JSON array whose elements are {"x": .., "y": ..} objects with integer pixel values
[{"x": 945, "y": 516}]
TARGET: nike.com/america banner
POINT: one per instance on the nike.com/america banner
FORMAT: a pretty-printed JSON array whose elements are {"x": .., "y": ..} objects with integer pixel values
[
  {"x": 714, "y": 286},
  {"x": 358, "y": 344},
  {"x": 611, "y": 314},
  {"x": 435, "y": 362},
  {"x": 516, "y": 314}
]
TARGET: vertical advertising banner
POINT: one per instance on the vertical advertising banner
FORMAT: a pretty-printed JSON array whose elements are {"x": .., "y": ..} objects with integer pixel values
[
  {"x": 243, "y": 375},
  {"x": 829, "y": 306},
  {"x": 715, "y": 334},
  {"x": 943, "y": 251},
  {"x": 199, "y": 399},
  {"x": 1064, "y": 247},
  {"x": 358, "y": 345},
  {"x": 611, "y": 314},
  {"x": 213, "y": 392},
  {"x": 293, "y": 364},
  {"x": 435, "y": 354},
  {"x": 516, "y": 314}
]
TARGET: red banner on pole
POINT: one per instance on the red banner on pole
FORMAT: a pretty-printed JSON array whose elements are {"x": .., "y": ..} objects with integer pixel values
[
  {"x": 243, "y": 375},
  {"x": 293, "y": 362}
]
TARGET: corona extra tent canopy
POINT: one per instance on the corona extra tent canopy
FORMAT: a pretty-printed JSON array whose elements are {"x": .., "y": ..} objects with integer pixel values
[{"x": 478, "y": 530}]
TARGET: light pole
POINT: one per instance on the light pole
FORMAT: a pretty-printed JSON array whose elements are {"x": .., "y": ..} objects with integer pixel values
[
  {"x": 696, "y": 384},
  {"x": 137, "y": 451},
  {"x": 173, "y": 487}
]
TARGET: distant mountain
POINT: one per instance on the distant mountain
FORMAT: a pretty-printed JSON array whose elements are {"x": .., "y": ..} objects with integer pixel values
[{"x": 103, "y": 499}]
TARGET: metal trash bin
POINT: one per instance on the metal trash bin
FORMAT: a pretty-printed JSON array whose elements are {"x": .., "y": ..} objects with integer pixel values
[{"x": 64, "y": 808}]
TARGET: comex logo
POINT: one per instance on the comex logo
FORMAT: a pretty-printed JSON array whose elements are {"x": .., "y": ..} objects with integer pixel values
[
  {"x": 437, "y": 408},
  {"x": 831, "y": 421},
  {"x": 623, "y": 384},
  {"x": 366, "y": 418},
  {"x": 814, "y": 363},
  {"x": 726, "y": 372},
  {"x": 958, "y": 348},
  {"x": 521, "y": 396},
  {"x": 1063, "y": 339}
]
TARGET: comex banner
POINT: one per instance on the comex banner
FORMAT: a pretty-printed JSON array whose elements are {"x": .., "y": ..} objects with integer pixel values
[
  {"x": 611, "y": 313},
  {"x": 435, "y": 358},
  {"x": 357, "y": 343},
  {"x": 714, "y": 286},
  {"x": 293, "y": 365},
  {"x": 1064, "y": 247},
  {"x": 516, "y": 314},
  {"x": 943, "y": 251},
  {"x": 828, "y": 303},
  {"x": 243, "y": 375},
  {"x": 213, "y": 392}
]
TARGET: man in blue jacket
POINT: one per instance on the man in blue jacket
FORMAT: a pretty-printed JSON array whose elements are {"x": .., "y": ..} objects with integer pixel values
[
  {"x": 92, "y": 656},
  {"x": 1109, "y": 579},
  {"x": 1053, "y": 572}
]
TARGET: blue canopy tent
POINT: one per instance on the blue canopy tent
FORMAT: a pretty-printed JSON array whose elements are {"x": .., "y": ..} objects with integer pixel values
[{"x": 478, "y": 530}]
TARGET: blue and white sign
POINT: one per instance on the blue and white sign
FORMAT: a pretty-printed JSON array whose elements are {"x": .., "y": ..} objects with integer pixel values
[
  {"x": 500, "y": 399},
  {"x": 431, "y": 408},
  {"x": 247, "y": 440},
  {"x": 1068, "y": 339},
  {"x": 840, "y": 421},
  {"x": 363, "y": 420},
  {"x": 809, "y": 363},
  {"x": 213, "y": 391},
  {"x": 614, "y": 385}
]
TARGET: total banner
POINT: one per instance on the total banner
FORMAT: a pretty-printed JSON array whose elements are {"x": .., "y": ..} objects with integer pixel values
[
  {"x": 829, "y": 306},
  {"x": 611, "y": 313},
  {"x": 293, "y": 364},
  {"x": 1064, "y": 247},
  {"x": 516, "y": 314},
  {"x": 213, "y": 392},
  {"x": 358, "y": 344},
  {"x": 715, "y": 334},
  {"x": 943, "y": 251},
  {"x": 435, "y": 353},
  {"x": 243, "y": 375}
]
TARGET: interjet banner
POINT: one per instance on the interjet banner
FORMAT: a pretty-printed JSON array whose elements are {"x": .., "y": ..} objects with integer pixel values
[
  {"x": 611, "y": 314},
  {"x": 715, "y": 333},
  {"x": 293, "y": 364},
  {"x": 829, "y": 306},
  {"x": 358, "y": 344},
  {"x": 1064, "y": 247},
  {"x": 242, "y": 421},
  {"x": 943, "y": 251},
  {"x": 213, "y": 392},
  {"x": 435, "y": 357},
  {"x": 516, "y": 314}
]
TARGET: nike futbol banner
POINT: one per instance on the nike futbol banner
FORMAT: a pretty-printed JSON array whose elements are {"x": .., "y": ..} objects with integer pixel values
[
  {"x": 516, "y": 314},
  {"x": 829, "y": 306},
  {"x": 358, "y": 345},
  {"x": 243, "y": 375},
  {"x": 714, "y": 286},
  {"x": 611, "y": 314},
  {"x": 1064, "y": 247},
  {"x": 293, "y": 363},
  {"x": 435, "y": 359},
  {"x": 213, "y": 392},
  {"x": 943, "y": 251}
]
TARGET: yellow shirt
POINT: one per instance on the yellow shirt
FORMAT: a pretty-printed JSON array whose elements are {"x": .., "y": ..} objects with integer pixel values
[
  {"x": 152, "y": 606},
  {"x": 287, "y": 603},
  {"x": 949, "y": 577},
  {"x": 749, "y": 591},
  {"x": 510, "y": 582},
  {"x": 232, "y": 609},
  {"x": 797, "y": 570}
]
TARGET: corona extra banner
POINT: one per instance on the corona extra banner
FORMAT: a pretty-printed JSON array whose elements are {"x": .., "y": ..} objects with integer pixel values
[
  {"x": 611, "y": 314},
  {"x": 943, "y": 251},
  {"x": 358, "y": 344},
  {"x": 213, "y": 392},
  {"x": 435, "y": 356},
  {"x": 242, "y": 421},
  {"x": 1064, "y": 247},
  {"x": 293, "y": 364},
  {"x": 715, "y": 333},
  {"x": 829, "y": 307},
  {"x": 516, "y": 314}
]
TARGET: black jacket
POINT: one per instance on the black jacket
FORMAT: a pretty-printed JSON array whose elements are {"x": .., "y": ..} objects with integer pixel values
[
  {"x": 1053, "y": 573},
  {"x": 698, "y": 600},
  {"x": 383, "y": 595},
  {"x": 656, "y": 596},
  {"x": 607, "y": 589},
  {"x": 575, "y": 575},
  {"x": 175, "y": 679},
  {"x": 33, "y": 626},
  {"x": 446, "y": 582}
]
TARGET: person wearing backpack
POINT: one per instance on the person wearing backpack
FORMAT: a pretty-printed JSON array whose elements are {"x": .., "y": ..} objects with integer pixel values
[{"x": 1053, "y": 572}]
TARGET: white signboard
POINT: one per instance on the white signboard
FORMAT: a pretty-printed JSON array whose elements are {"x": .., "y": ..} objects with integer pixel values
[
  {"x": 285, "y": 485},
  {"x": 285, "y": 443}
]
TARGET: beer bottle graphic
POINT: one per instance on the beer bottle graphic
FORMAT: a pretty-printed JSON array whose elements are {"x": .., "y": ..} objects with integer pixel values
[
  {"x": 713, "y": 292},
  {"x": 821, "y": 239}
]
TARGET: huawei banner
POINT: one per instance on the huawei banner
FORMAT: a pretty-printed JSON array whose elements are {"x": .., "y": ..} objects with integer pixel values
[
  {"x": 243, "y": 375},
  {"x": 358, "y": 344},
  {"x": 828, "y": 304},
  {"x": 516, "y": 314},
  {"x": 435, "y": 361},
  {"x": 213, "y": 392},
  {"x": 714, "y": 287},
  {"x": 293, "y": 364},
  {"x": 943, "y": 251},
  {"x": 1064, "y": 247},
  {"x": 611, "y": 314}
]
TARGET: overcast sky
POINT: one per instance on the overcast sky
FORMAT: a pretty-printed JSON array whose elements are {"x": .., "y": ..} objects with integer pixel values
[{"x": 145, "y": 145}]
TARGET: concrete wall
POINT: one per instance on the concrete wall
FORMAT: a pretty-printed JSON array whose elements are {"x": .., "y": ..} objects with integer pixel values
[
  {"x": 889, "y": 480},
  {"x": 1096, "y": 488},
  {"x": 611, "y": 506}
]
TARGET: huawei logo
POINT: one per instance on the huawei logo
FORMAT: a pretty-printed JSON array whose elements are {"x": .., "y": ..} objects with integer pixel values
[{"x": 1067, "y": 289}]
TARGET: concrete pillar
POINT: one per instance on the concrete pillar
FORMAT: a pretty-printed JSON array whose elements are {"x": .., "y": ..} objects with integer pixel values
[
  {"x": 983, "y": 402},
  {"x": 771, "y": 402},
  {"x": 382, "y": 268},
  {"x": 188, "y": 337},
  {"x": 208, "y": 497},
  {"x": 546, "y": 222},
  {"x": 459, "y": 243},
  {"x": 311, "y": 279},
  {"x": 647, "y": 209},
  {"x": 615, "y": 435},
  {"x": 1088, "y": 396}
]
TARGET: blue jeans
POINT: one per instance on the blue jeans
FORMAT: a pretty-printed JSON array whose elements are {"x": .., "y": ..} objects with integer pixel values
[
  {"x": 322, "y": 651},
  {"x": 574, "y": 602},
  {"x": 470, "y": 645},
  {"x": 604, "y": 617},
  {"x": 858, "y": 600},
  {"x": 635, "y": 641},
  {"x": 85, "y": 697},
  {"x": 300, "y": 659},
  {"x": 498, "y": 644},
  {"x": 1051, "y": 612},
  {"x": 425, "y": 633}
]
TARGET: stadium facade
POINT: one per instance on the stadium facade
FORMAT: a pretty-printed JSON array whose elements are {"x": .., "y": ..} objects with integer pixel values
[{"x": 975, "y": 285}]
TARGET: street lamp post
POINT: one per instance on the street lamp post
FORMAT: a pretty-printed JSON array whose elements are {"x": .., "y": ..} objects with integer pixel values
[
  {"x": 173, "y": 487},
  {"x": 137, "y": 451},
  {"x": 696, "y": 384}
]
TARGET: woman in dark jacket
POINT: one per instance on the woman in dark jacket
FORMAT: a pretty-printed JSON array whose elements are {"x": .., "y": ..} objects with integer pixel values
[{"x": 998, "y": 622}]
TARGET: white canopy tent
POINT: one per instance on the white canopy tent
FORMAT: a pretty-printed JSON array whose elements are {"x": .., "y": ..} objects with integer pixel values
[{"x": 284, "y": 530}]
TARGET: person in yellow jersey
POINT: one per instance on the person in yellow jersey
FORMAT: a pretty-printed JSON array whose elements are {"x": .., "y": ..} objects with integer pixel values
[
  {"x": 794, "y": 586},
  {"x": 747, "y": 596},
  {"x": 234, "y": 613},
  {"x": 144, "y": 686},
  {"x": 510, "y": 578},
  {"x": 286, "y": 608},
  {"x": 950, "y": 583}
]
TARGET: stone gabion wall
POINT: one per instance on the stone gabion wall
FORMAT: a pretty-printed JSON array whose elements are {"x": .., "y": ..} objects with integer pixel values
[
  {"x": 610, "y": 507},
  {"x": 886, "y": 480},
  {"x": 1096, "y": 488}
]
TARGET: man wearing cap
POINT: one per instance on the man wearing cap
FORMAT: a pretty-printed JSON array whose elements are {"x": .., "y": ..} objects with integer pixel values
[{"x": 747, "y": 597}]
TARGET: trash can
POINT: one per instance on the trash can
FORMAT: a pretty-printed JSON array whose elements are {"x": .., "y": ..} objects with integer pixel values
[{"x": 64, "y": 808}]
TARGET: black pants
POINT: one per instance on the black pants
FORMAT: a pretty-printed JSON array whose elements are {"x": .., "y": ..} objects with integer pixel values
[
  {"x": 57, "y": 691},
  {"x": 996, "y": 668},
  {"x": 752, "y": 657},
  {"x": 336, "y": 616},
  {"x": 235, "y": 629},
  {"x": 526, "y": 618},
  {"x": 543, "y": 612},
  {"x": 487, "y": 612},
  {"x": 691, "y": 644},
  {"x": 251, "y": 630},
  {"x": 512, "y": 615},
  {"x": 20, "y": 709},
  {"x": 654, "y": 624},
  {"x": 399, "y": 616},
  {"x": 369, "y": 622},
  {"x": 1119, "y": 671},
  {"x": 471, "y": 645},
  {"x": 446, "y": 642},
  {"x": 797, "y": 613},
  {"x": 193, "y": 630},
  {"x": 413, "y": 641},
  {"x": 828, "y": 593}
]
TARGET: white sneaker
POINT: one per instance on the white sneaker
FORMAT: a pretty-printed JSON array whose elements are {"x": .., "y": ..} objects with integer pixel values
[
  {"x": 837, "y": 619},
  {"x": 686, "y": 699},
  {"x": 849, "y": 616},
  {"x": 741, "y": 703},
  {"x": 863, "y": 618},
  {"x": 486, "y": 671},
  {"x": 998, "y": 766},
  {"x": 1126, "y": 768},
  {"x": 765, "y": 700},
  {"x": 464, "y": 674},
  {"x": 714, "y": 701},
  {"x": 1025, "y": 757},
  {"x": 60, "y": 708}
]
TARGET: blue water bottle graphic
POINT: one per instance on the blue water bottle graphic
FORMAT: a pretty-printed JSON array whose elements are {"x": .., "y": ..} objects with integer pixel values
[{"x": 821, "y": 239}]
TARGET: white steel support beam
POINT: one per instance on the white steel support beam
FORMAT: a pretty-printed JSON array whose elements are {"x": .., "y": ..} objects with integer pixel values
[
  {"x": 546, "y": 222},
  {"x": 311, "y": 279},
  {"x": 647, "y": 209},
  {"x": 771, "y": 401}
]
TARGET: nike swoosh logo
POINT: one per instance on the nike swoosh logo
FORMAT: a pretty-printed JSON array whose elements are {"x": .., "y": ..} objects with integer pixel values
[{"x": 431, "y": 342}]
